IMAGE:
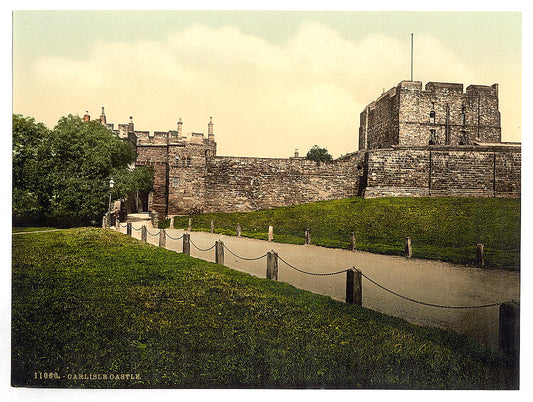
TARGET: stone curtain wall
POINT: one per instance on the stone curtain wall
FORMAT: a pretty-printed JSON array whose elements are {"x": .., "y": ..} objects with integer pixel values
[
  {"x": 230, "y": 184},
  {"x": 247, "y": 184},
  {"x": 444, "y": 171}
]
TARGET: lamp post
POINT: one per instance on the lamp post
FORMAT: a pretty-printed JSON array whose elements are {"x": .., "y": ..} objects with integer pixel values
[{"x": 111, "y": 184}]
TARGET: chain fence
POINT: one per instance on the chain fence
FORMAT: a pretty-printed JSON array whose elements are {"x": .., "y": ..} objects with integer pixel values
[
  {"x": 202, "y": 249},
  {"x": 244, "y": 258},
  {"x": 337, "y": 273},
  {"x": 173, "y": 238}
]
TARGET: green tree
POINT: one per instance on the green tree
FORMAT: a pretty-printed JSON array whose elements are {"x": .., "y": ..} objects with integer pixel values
[
  {"x": 28, "y": 199},
  {"x": 319, "y": 154},
  {"x": 63, "y": 177},
  {"x": 129, "y": 181}
]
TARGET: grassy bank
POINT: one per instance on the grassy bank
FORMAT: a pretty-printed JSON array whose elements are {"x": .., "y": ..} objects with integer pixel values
[
  {"x": 93, "y": 301},
  {"x": 446, "y": 229}
]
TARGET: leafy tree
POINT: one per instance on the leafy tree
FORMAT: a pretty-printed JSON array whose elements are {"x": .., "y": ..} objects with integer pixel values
[
  {"x": 319, "y": 154},
  {"x": 29, "y": 138},
  {"x": 62, "y": 175},
  {"x": 129, "y": 181}
]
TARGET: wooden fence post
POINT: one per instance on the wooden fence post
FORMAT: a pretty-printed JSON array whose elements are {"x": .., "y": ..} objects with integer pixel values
[
  {"x": 270, "y": 233},
  {"x": 162, "y": 238},
  {"x": 190, "y": 224},
  {"x": 171, "y": 226},
  {"x": 307, "y": 236},
  {"x": 238, "y": 230},
  {"x": 408, "y": 247},
  {"x": 509, "y": 329},
  {"x": 480, "y": 256},
  {"x": 144, "y": 235},
  {"x": 219, "y": 252},
  {"x": 212, "y": 230},
  {"x": 272, "y": 265},
  {"x": 117, "y": 224},
  {"x": 128, "y": 228},
  {"x": 352, "y": 241},
  {"x": 187, "y": 243},
  {"x": 354, "y": 287}
]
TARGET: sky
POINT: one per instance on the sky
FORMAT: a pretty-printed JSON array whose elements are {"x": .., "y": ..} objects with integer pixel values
[{"x": 273, "y": 81}]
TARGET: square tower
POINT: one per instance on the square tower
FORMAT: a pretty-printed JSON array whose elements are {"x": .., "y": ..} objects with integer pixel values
[{"x": 441, "y": 114}]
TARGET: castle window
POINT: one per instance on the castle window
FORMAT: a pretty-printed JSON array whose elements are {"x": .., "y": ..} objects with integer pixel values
[
  {"x": 188, "y": 161},
  {"x": 432, "y": 117},
  {"x": 433, "y": 137},
  {"x": 462, "y": 116},
  {"x": 177, "y": 160},
  {"x": 175, "y": 182}
]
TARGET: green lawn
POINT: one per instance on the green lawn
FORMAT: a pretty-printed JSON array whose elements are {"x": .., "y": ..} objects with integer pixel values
[
  {"x": 94, "y": 301},
  {"x": 441, "y": 228},
  {"x": 31, "y": 229}
]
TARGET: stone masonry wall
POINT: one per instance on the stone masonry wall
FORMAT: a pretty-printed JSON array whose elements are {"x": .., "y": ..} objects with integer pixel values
[
  {"x": 155, "y": 157},
  {"x": 247, "y": 184},
  {"x": 490, "y": 171}
]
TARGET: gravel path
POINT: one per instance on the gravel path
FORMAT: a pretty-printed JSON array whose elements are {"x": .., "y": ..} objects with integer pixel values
[{"x": 428, "y": 281}]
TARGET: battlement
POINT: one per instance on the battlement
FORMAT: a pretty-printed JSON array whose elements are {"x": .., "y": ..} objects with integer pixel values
[
  {"x": 170, "y": 137},
  {"x": 437, "y": 87},
  {"x": 491, "y": 90}
]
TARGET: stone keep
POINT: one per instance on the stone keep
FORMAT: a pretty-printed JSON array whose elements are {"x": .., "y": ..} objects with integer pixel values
[{"x": 442, "y": 114}]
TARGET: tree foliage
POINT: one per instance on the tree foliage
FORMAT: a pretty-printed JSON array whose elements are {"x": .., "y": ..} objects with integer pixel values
[
  {"x": 319, "y": 155},
  {"x": 61, "y": 176}
]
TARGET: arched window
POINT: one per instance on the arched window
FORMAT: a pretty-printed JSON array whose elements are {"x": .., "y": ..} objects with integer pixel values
[
  {"x": 432, "y": 117},
  {"x": 188, "y": 161},
  {"x": 462, "y": 117}
]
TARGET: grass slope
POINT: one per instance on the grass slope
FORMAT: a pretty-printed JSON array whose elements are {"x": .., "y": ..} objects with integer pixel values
[
  {"x": 441, "y": 228},
  {"x": 93, "y": 301}
]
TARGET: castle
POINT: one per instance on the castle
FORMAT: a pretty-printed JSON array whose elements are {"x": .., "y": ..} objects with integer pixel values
[{"x": 436, "y": 141}]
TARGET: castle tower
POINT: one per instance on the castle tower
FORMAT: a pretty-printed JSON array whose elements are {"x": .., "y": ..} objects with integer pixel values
[
  {"x": 440, "y": 114},
  {"x": 102, "y": 117},
  {"x": 86, "y": 117},
  {"x": 210, "y": 135}
]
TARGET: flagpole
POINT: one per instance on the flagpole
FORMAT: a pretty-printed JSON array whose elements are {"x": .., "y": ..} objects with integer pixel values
[{"x": 411, "y": 57}]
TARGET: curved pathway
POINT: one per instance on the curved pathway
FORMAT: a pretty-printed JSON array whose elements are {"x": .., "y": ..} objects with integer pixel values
[{"x": 429, "y": 281}]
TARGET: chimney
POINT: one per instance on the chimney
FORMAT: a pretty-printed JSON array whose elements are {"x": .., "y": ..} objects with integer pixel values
[
  {"x": 210, "y": 135},
  {"x": 102, "y": 117},
  {"x": 130, "y": 125},
  {"x": 86, "y": 117}
]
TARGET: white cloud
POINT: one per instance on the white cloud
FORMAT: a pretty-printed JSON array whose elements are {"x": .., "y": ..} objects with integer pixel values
[{"x": 266, "y": 99}]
